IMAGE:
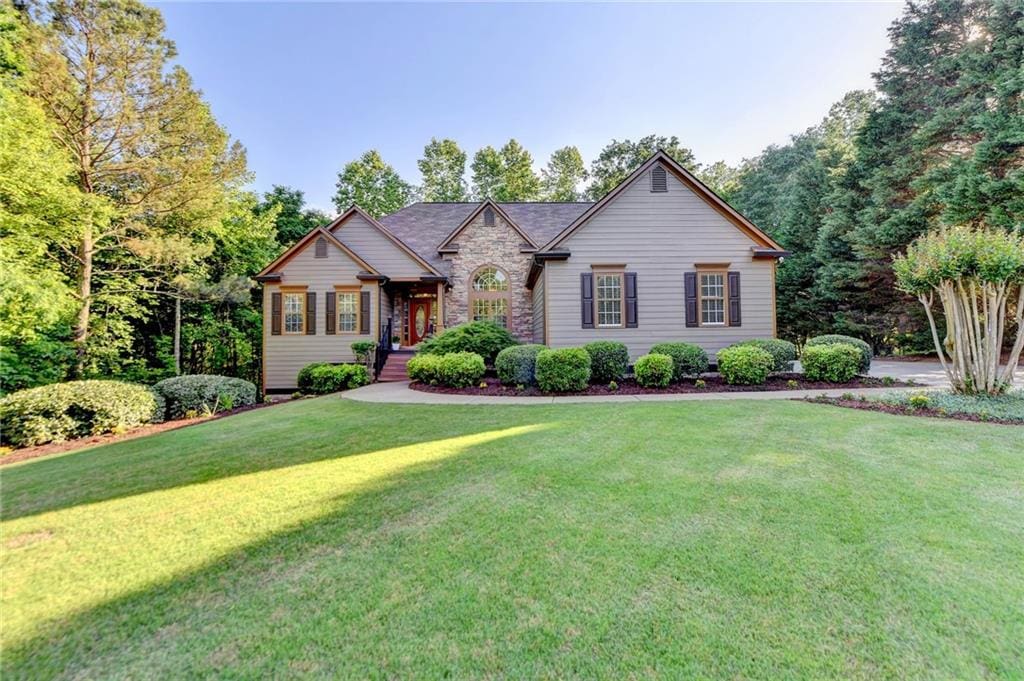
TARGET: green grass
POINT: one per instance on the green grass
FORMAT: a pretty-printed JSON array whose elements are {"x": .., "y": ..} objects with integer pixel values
[{"x": 327, "y": 538}]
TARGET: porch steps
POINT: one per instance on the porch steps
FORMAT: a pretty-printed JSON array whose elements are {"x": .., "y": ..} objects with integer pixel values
[{"x": 394, "y": 367}]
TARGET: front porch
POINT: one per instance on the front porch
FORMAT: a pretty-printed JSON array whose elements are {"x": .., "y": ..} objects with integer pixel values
[{"x": 416, "y": 310}]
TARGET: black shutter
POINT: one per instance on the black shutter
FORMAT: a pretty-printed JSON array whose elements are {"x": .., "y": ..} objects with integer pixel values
[
  {"x": 310, "y": 314},
  {"x": 631, "y": 317},
  {"x": 275, "y": 314},
  {"x": 587, "y": 299},
  {"x": 364, "y": 312},
  {"x": 331, "y": 319},
  {"x": 690, "y": 281},
  {"x": 734, "y": 299}
]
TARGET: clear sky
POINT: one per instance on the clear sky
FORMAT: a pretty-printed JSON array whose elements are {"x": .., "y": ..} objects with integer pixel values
[{"x": 308, "y": 87}]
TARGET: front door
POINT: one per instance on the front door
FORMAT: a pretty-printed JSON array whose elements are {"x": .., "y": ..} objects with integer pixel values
[{"x": 419, "y": 320}]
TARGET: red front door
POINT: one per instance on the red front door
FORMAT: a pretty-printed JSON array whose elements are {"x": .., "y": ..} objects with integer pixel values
[{"x": 419, "y": 320}]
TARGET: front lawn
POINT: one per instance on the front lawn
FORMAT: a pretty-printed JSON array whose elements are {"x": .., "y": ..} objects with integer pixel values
[{"x": 328, "y": 538}]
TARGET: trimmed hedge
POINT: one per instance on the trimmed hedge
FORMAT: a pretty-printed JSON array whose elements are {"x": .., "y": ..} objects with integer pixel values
[
  {"x": 745, "y": 364},
  {"x": 195, "y": 394},
  {"x": 687, "y": 359},
  {"x": 836, "y": 363},
  {"x": 63, "y": 411},
  {"x": 484, "y": 338},
  {"x": 608, "y": 361},
  {"x": 461, "y": 369},
  {"x": 563, "y": 370},
  {"x": 653, "y": 370},
  {"x": 424, "y": 368},
  {"x": 782, "y": 351},
  {"x": 362, "y": 349},
  {"x": 866, "y": 355},
  {"x": 517, "y": 365},
  {"x": 321, "y": 378}
]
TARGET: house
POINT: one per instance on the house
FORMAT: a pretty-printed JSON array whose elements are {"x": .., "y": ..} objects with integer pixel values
[{"x": 661, "y": 257}]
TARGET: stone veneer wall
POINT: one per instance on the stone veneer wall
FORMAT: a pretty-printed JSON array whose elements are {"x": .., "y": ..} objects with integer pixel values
[{"x": 499, "y": 245}]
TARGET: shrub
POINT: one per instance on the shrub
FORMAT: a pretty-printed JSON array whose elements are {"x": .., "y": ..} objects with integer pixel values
[
  {"x": 564, "y": 370},
  {"x": 608, "y": 360},
  {"x": 745, "y": 364},
  {"x": 835, "y": 338},
  {"x": 687, "y": 359},
  {"x": 484, "y": 338},
  {"x": 203, "y": 393},
  {"x": 461, "y": 369},
  {"x": 60, "y": 411},
  {"x": 517, "y": 364},
  {"x": 653, "y": 370},
  {"x": 613, "y": 386},
  {"x": 782, "y": 351},
  {"x": 700, "y": 384},
  {"x": 833, "y": 363},
  {"x": 362, "y": 349},
  {"x": 919, "y": 401},
  {"x": 424, "y": 368},
  {"x": 321, "y": 378}
]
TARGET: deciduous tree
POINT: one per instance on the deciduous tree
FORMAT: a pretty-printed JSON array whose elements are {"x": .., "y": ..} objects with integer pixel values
[
  {"x": 373, "y": 185},
  {"x": 443, "y": 167},
  {"x": 564, "y": 175},
  {"x": 618, "y": 159}
]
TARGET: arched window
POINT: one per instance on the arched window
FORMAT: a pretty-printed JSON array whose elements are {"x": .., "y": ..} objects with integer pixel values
[{"x": 488, "y": 296}]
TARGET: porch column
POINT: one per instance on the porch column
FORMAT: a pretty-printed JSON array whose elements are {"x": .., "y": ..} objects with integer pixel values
[{"x": 440, "y": 307}]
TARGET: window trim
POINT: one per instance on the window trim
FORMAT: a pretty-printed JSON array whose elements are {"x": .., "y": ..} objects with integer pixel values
[
  {"x": 505, "y": 295},
  {"x": 299, "y": 291},
  {"x": 701, "y": 271},
  {"x": 605, "y": 271},
  {"x": 357, "y": 292}
]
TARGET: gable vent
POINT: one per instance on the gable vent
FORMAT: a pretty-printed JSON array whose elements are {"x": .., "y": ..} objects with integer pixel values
[
  {"x": 489, "y": 217},
  {"x": 321, "y": 248},
  {"x": 659, "y": 179}
]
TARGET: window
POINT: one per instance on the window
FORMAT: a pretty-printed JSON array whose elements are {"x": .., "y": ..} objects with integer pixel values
[
  {"x": 348, "y": 311},
  {"x": 294, "y": 306},
  {"x": 712, "y": 298},
  {"x": 608, "y": 298},
  {"x": 488, "y": 296}
]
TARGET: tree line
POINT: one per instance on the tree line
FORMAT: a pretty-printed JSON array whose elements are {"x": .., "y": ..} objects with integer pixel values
[{"x": 129, "y": 240}]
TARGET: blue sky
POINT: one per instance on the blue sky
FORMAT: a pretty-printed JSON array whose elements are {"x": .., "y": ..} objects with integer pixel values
[{"x": 308, "y": 87}]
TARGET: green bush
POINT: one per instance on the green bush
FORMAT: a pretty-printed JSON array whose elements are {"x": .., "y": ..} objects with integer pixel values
[
  {"x": 362, "y": 349},
  {"x": 745, "y": 364},
  {"x": 484, "y": 338},
  {"x": 782, "y": 351},
  {"x": 517, "y": 365},
  {"x": 203, "y": 393},
  {"x": 62, "y": 411},
  {"x": 653, "y": 370},
  {"x": 461, "y": 369},
  {"x": 608, "y": 360},
  {"x": 687, "y": 359},
  {"x": 321, "y": 378},
  {"x": 424, "y": 368},
  {"x": 834, "y": 363},
  {"x": 564, "y": 370},
  {"x": 835, "y": 338}
]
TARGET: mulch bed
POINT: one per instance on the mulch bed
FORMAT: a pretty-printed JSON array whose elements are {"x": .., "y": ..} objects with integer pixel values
[
  {"x": 870, "y": 405},
  {"x": 713, "y": 384},
  {"x": 93, "y": 440}
]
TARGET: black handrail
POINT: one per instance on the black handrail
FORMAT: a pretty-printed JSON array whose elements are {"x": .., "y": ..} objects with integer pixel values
[{"x": 380, "y": 357}]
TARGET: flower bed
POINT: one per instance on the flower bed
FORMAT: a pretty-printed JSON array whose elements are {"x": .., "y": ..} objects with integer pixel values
[{"x": 1005, "y": 409}]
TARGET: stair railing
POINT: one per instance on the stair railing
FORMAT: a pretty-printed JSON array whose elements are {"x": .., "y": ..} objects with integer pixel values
[{"x": 380, "y": 357}]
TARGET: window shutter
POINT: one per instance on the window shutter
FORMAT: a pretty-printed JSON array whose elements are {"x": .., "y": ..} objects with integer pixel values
[
  {"x": 275, "y": 314},
  {"x": 331, "y": 318},
  {"x": 631, "y": 318},
  {"x": 364, "y": 312},
  {"x": 321, "y": 248},
  {"x": 310, "y": 314},
  {"x": 659, "y": 179},
  {"x": 587, "y": 299},
  {"x": 734, "y": 299},
  {"x": 690, "y": 281}
]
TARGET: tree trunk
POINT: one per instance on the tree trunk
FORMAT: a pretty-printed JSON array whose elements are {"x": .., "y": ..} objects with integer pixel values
[
  {"x": 177, "y": 335},
  {"x": 81, "y": 335}
]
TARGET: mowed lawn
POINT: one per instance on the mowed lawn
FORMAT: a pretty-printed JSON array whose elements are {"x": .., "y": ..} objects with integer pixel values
[{"x": 326, "y": 538}]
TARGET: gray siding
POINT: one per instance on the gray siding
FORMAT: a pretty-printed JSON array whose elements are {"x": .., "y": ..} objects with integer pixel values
[
  {"x": 285, "y": 354},
  {"x": 538, "y": 310},
  {"x": 376, "y": 248},
  {"x": 660, "y": 236}
]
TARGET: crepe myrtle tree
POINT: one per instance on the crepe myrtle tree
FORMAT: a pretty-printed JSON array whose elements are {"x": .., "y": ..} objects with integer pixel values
[{"x": 978, "y": 276}]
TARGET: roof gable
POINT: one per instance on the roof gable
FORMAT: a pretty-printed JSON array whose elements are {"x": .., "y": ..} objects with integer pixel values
[
  {"x": 338, "y": 223},
  {"x": 301, "y": 245},
  {"x": 487, "y": 203}
]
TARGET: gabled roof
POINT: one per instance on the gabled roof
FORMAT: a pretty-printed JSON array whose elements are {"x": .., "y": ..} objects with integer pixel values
[
  {"x": 356, "y": 210},
  {"x": 684, "y": 176},
  {"x": 271, "y": 269},
  {"x": 448, "y": 242}
]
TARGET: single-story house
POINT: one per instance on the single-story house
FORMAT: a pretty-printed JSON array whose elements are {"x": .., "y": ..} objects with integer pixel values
[{"x": 661, "y": 257}]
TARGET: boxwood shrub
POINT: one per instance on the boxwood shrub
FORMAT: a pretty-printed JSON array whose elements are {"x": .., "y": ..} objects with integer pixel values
[
  {"x": 362, "y": 349},
  {"x": 563, "y": 370},
  {"x": 517, "y": 365},
  {"x": 866, "y": 355},
  {"x": 195, "y": 394},
  {"x": 321, "y": 378},
  {"x": 745, "y": 364},
  {"x": 608, "y": 360},
  {"x": 653, "y": 370},
  {"x": 687, "y": 359},
  {"x": 782, "y": 351},
  {"x": 484, "y": 338},
  {"x": 63, "y": 411},
  {"x": 424, "y": 368},
  {"x": 461, "y": 369},
  {"x": 836, "y": 363}
]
